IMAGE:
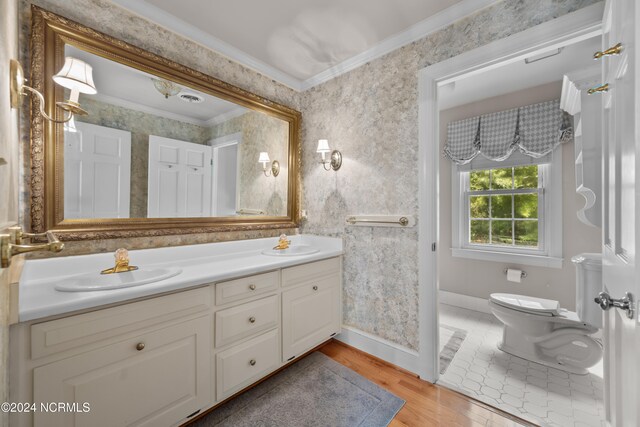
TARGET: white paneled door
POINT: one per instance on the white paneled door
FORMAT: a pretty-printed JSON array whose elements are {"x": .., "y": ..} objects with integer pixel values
[
  {"x": 179, "y": 178},
  {"x": 97, "y": 171},
  {"x": 621, "y": 273}
]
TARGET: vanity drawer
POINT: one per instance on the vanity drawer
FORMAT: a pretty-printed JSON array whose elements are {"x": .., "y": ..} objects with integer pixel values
[
  {"x": 246, "y": 287},
  {"x": 246, "y": 319},
  {"x": 310, "y": 272},
  {"x": 245, "y": 363},
  {"x": 91, "y": 328}
]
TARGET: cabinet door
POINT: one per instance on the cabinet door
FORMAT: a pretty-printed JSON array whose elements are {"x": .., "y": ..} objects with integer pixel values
[
  {"x": 155, "y": 378},
  {"x": 310, "y": 315}
]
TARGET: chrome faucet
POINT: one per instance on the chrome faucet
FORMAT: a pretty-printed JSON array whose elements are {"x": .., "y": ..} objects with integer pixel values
[{"x": 12, "y": 244}]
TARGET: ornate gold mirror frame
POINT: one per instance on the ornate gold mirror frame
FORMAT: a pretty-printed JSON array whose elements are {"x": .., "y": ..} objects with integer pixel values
[{"x": 50, "y": 34}]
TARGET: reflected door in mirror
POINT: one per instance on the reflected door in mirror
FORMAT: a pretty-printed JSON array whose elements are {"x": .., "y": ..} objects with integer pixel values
[{"x": 97, "y": 166}]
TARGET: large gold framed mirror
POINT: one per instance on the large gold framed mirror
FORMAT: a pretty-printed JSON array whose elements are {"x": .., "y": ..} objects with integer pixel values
[{"x": 164, "y": 149}]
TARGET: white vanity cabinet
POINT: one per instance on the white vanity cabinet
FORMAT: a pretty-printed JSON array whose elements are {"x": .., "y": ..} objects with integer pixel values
[
  {"x": 158, "y": 361},
  {"x": 144, "y": 363},
  {"x": 311, "y": 306}
]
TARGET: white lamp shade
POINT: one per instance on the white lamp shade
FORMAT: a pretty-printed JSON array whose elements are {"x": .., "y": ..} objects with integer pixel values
[
  {"x": 264, "y": 157},
  {"x": 323, "y": 146},
  {"x": 76, "y": 74}
]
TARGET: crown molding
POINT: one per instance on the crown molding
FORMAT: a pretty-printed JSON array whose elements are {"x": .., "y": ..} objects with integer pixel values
[
  {"x": 417, "y": 31},
  {"x": 221, "y": 118},
  {"x": 131, "y": 105}
]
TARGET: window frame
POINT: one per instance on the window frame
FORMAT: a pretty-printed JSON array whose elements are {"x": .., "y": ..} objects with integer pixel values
[{"x": 549, "y": 250}]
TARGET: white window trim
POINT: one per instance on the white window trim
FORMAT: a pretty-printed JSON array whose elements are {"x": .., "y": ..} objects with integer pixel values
[{"x": 551, "y": 253}]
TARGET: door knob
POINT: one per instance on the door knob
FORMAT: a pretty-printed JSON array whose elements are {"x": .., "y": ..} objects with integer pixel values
[
  {"x": 614, "y": 50},
  {"x": 606, "y": 302}
]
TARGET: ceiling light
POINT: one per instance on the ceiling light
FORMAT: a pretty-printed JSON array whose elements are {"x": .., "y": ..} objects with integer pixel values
[{"x": 166, "y": 88}]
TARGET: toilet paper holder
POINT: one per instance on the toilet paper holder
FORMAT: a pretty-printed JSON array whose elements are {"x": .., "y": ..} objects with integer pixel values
[{"x": 523, "y": 274}]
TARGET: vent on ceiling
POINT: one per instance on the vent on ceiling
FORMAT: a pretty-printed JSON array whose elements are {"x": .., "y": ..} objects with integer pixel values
[{"x": 191, "y": 97}]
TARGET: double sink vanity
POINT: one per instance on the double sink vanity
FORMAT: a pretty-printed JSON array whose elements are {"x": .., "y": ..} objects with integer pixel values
[
  {"x": 192, "y": 325},
  {"x": 159, "y": 353}
]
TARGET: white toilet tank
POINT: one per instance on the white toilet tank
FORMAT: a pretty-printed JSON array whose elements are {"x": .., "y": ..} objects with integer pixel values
[{"x": 588, "y": 286}]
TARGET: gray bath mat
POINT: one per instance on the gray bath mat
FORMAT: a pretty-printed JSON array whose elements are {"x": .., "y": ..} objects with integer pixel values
[
  {"x": 316, "y": 391},
  {"x": 452, "y": 339}
]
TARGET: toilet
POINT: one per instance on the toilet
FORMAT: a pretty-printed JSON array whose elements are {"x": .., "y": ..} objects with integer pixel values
[{"x": 539, "y": 330}]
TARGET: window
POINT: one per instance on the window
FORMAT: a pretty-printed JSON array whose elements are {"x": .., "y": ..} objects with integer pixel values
[
  {"x": 503, "y": 207},
  {"x": 509, "y": 211}
]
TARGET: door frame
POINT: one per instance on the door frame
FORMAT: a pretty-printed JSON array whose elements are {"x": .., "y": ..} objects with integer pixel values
[
  {"x": 573, "y": 27},
  {"x": 221, "y": 142}
]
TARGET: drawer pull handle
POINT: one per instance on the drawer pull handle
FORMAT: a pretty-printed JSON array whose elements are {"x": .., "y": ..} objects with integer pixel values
[
  {"x": 252, "y": 362},
  {"x": 252, "y": 287},
  {"x": 315, "y": 287},
  {"x": 252, "y": 319},
  {"x": 140, "y": 346}
]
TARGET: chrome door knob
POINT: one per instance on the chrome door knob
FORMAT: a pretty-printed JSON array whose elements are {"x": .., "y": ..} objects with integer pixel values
[{"x": 605, "y": 302}]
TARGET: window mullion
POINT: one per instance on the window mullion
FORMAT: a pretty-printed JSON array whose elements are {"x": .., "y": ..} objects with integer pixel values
[{"x": 513, "y": 207}]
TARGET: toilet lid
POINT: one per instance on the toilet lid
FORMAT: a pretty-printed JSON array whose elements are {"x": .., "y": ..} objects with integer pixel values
[{"x": 528, "y": 304}]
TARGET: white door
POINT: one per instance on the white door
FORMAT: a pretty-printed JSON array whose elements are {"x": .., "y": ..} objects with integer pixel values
[
  {"x": 620, "y": 270},
  {"x": 225, "y": 179},
  {"x": 179, "y": 179},
  {"x": 97, "y": 172}
]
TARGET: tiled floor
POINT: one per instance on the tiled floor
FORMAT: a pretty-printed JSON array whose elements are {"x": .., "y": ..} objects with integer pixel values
[{"x": 542, "y": 395}]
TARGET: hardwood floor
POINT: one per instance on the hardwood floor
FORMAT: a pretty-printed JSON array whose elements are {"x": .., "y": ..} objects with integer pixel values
[{"x": 427, "y": 404}]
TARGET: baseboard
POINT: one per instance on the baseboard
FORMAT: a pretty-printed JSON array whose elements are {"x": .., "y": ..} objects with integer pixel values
[
  {"x": 464, "y": 301},
  {"x": 379, "y": 347}
]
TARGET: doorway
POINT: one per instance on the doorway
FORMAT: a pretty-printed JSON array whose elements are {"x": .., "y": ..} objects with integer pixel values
[{"x": 534, "y": 43}]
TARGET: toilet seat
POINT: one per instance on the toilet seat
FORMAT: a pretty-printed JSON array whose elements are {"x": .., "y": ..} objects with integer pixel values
[{"x": 527, "y": 304}]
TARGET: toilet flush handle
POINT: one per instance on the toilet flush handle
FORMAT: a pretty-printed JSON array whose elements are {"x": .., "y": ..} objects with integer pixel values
[{"x": 606, "y": 302}]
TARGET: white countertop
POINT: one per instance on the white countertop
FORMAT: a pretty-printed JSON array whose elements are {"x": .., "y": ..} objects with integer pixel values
[{"x": 201, "y": 264}]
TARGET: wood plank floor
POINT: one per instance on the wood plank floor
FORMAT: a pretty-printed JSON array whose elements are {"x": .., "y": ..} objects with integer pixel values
[{"x": 427, "y": 404}]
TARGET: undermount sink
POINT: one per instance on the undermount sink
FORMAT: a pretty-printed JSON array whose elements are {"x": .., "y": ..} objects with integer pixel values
[
  {"x": 296, "y": 250},
  {"x": 104, "y": 282}
]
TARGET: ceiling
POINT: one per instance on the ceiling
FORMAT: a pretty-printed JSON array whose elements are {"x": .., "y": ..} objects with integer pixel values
[
  {"x": 302, "y": 43},
  {"x": 128, "y": 87},
  {"x": 519, "y": 75}
]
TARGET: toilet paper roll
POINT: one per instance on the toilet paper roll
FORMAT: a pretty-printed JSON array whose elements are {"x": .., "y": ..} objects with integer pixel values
[{"x": 514, "y": 275}]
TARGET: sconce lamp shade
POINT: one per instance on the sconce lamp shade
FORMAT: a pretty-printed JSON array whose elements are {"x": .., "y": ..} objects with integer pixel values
[
  {"x": 264, "y": 157},
  {"x": 323, "y": 146},
  {"x": 76, "y": 74}
]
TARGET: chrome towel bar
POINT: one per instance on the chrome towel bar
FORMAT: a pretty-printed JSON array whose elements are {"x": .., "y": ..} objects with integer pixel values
[{"x": 380, "y": 220}]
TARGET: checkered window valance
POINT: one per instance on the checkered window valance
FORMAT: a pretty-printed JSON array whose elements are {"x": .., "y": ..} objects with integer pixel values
[{"x": 534, "y": 130}]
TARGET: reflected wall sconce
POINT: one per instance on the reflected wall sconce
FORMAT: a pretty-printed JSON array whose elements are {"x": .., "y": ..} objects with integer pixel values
[
  {"x": 275, "y": 165},
  {"x": 335, "y": 161},
  {"x": 75, "y": 75}
]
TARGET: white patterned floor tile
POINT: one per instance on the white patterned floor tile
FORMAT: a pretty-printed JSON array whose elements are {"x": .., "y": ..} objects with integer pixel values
[{"x": 545, "y": 396}]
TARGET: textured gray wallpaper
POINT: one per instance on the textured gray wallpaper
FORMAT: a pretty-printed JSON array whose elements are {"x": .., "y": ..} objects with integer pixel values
[
  {"x": 260, "y": 132},
  {"x": 371, "y": 115}
]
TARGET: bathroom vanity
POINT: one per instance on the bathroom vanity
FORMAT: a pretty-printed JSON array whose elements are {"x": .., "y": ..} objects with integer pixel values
[{"x": 159, "y": 353}]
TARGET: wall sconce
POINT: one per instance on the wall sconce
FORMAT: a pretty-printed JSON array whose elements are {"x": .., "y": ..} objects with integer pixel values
[
  {"x": 75, "y": 75},
  {"x": 275, "y": 165},
  {"x": 335, "y": 161}
]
